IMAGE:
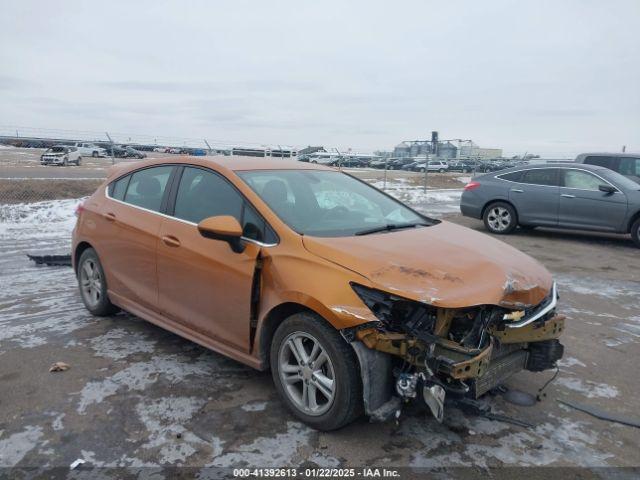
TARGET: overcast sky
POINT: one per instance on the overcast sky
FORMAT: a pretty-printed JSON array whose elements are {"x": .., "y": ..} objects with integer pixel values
[{"x": 549, "y": 77}]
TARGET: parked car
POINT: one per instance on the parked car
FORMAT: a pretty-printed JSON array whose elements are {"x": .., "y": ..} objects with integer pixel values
[
  {"x": 87, "y": 149},
  {"x": 350, "y": 162},
  {"x": 624, "y": 163},
  {"x": 583, "y": 197},
  {"x": 351, "y": 298},
  {"x": 431, "y": 166},
  {"x": 61, "y": 155},
  {"x": 380, "y": 163},
  {"x": 464, "y": 166},
  {"x": 400, "y": 163},
  {"x": 130, "y": 152}
]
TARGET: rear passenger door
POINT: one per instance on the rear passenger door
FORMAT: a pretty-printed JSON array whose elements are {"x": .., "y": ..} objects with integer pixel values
[
  {"x": 203, "y": 284},
  {"x": 535, "y": 196},
  {"x": 584, "y": 206},
  {"x": 130, "y": 223}
]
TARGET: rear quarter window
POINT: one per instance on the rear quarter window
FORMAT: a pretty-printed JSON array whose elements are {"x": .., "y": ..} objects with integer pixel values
[
  {"x": 512, "y": 177},
  {"x": 118, "y": 188}
]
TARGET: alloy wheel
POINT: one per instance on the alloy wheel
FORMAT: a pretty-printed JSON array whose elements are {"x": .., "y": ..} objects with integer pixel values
[
  {"x": 499, "y": 219},
  {"x": 306, "y": 373},
  {"x": 91, "y": 282}
]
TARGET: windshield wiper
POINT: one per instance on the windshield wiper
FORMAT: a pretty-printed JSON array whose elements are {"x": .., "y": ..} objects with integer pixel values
[{"x": 389, "y": 227}]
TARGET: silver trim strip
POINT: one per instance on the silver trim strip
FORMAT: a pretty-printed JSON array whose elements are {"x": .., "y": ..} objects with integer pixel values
[
  {"x": 499, "y": 176},
  {"x": 541, "y": 313},
  {"x": 250, "y": 240}
]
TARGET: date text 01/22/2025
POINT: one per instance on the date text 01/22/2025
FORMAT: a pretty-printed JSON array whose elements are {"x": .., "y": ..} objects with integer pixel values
[{"x": 367, "y": 472}]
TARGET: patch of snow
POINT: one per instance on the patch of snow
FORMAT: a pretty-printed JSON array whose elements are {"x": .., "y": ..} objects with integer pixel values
[
  {"x": 16, "y": 446},
  {"x": 164, "y": 419},
  {"x": 119, "y": 343},
  {"x": 588, "y": 388},
  {"x": 254, "y": 406},
  {"x": 570, "y": 362},
  {"x": 266, "y": 452}
]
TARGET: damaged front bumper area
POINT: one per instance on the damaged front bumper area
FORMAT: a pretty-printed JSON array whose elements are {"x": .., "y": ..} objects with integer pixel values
[{"x": 417, "y": 350}]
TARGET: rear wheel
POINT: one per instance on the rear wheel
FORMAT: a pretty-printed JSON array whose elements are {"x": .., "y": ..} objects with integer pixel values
[
  {"x": 441, "y": 170},
  {"x": 635, "y": 232},
  {"x": 94, "y": 154},
  {"x": 93, "y": 285},
  {"x": 316, "y": 372},
  {"x": 500, "y": 218}
]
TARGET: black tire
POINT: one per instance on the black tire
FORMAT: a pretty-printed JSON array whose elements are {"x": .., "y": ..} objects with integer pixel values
[
  {"x": 103, "y": 307},
  {"x": 94, "y": 154},
  {"x": 496, "y": 221},
  {"x": 441, "y": 170},
  {"x": 65, "y": 162},
  {"x": 347, "y": 401},
  {"x": 78, "y": 161},
  {"x": 635, "y": 232},
  {"x": 422, "y": 170}
]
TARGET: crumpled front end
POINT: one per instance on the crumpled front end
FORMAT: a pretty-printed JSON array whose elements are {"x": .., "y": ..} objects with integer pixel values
[{"x": 436, "y": 351}]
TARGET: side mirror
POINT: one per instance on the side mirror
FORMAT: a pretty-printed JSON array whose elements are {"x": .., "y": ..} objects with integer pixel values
[
  {"x": 225, "y": 228},
  {"x": 607, "y": 189}
]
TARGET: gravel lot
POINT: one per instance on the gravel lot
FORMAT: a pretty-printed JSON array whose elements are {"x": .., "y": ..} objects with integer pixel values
[{"x": 137, "y": 396}]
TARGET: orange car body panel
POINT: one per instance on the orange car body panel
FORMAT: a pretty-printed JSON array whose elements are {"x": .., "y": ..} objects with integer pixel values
[{"x": 200, "y": 289}]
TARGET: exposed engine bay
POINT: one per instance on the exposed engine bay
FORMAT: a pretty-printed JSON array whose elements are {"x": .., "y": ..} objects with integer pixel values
[{"x": 436, "y": 351}]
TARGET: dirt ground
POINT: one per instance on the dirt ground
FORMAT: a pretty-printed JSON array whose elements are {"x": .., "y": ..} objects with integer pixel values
[{"x": 137, "y": 396}]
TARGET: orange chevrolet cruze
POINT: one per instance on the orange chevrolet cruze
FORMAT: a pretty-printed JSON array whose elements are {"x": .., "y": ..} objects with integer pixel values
[{"x": 356, "y": 302}]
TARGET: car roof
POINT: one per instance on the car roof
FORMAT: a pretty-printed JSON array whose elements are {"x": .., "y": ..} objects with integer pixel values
[
  {"x": 233, "y": 163},
  {"x": 582, "y": 166},
  {"x": 609, "y": 154}
]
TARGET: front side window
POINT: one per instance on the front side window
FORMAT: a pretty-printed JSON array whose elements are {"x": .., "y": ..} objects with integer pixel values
[
  {"x": 581, "y": 180},
  {"x": 329, "y": 204},
  {"x": 202, "y": 194},
  {"x": 541, "y": 176},
  {"x": 147, "y": 187}
]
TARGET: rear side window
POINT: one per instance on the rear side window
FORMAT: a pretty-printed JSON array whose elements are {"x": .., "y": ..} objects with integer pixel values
[
  {"x": 203, "y": 194},
  {"x": 512, "y": 177},
  {"x": 147, "y": 187},
  {"x": 541, "y": 176},
  {"x": 607, "y": 162},
  {"x": 630, "y": 166}
]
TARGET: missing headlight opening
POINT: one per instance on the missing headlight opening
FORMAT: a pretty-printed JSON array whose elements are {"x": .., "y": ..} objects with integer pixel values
[{"x": 460, "y": 351}]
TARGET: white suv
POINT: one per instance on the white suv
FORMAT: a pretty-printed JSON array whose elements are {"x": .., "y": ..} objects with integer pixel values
[
  {"x": 90, "y": 150},
  {"x": 61, "y": 155}
]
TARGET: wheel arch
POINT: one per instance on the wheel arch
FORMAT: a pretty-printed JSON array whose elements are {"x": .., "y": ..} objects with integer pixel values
[
  {"x": 270, "y": 324},
  {"x": 633, "y": 220},
  {"x": 80, "y": 248}
]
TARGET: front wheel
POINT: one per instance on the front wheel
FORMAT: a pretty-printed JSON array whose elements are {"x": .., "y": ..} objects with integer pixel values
[
  {"x": 78, "y": 161},
  {"x": 316, "y": 372},
  {"x": 94, "y": 154},
  {"x": 65, "y": 162},
  {"x": 441, "y": 170},
  {"x": 93, "y": 284},
  {"x": 635, "y": 232},
  {"x": 500, "y": 218}
]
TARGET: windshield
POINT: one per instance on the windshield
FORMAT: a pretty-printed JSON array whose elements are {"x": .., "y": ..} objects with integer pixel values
[
  {"x": 329, "y": 204},
  {"x": 58, "y": 149}
]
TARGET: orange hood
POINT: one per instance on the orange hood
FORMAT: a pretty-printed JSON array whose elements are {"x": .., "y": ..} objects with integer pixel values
[{"x": 444, "y": 265}]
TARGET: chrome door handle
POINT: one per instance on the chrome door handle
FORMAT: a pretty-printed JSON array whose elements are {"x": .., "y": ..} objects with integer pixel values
[
  {"x": 517, "y": 190},
  {"x": 170, "y": 241},
  {"x": 566, "y": 195}
]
